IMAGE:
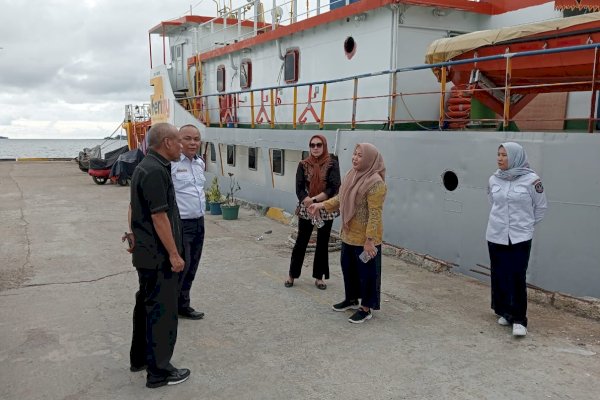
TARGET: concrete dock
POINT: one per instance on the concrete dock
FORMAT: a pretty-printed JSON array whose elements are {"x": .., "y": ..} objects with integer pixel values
[{"x": 67, "y": 292}]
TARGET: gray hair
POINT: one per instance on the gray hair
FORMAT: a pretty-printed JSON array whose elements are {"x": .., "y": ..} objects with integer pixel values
[
  {"x": 159, "y": 132},
  {"x": 189, "y": 126}
]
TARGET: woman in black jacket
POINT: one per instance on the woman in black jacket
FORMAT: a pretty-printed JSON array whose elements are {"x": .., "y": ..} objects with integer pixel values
[{"x": 317, "y": 179}]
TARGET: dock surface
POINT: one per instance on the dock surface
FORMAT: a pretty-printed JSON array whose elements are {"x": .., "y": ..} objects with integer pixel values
[{"x": 67, "y": 293}]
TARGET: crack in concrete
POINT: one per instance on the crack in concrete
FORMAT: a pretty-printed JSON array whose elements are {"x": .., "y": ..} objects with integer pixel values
[
  {"x": 26, "y": 263},
  {"x": 76, "y": 282}
]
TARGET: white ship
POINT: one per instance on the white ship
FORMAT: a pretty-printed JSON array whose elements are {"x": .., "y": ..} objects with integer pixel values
[{"x": 260, "y": 79}]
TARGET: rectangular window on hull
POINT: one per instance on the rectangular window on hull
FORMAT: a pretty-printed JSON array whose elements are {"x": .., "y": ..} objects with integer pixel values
[
  {"x": 213, "y": 153},
  {"x": 291, "y": 64},
  {"x": 221, "y": 78},
  {"x": 245, "y": 74},
  {"x": 278, "y": 161},
  {"x": 231, "y": 155},
  {"x": 252, "y": 154}
]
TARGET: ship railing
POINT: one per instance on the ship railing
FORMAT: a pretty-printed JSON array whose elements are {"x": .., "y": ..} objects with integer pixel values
[
  {"x": 232, "y": 20},
  {"x": 204, "y": 106}
]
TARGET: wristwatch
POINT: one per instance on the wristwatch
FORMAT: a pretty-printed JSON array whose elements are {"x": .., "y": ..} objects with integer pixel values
[{"x": 314, "y": 199}]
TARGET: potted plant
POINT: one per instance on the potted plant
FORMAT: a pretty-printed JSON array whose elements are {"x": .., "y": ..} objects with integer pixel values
[
  {"x": 213, "y": 197},
  {"x": 230, "y": 208}
]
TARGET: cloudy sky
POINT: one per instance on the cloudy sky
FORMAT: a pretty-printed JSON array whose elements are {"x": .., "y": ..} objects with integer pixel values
[{"x": 68, "y": 67}]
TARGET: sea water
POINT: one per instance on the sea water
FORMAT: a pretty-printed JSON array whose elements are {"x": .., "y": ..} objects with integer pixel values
[{"x": 53, "y": 148}]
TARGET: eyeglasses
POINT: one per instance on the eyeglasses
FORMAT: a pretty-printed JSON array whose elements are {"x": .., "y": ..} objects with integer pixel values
[{"x": 313, "y": 145}]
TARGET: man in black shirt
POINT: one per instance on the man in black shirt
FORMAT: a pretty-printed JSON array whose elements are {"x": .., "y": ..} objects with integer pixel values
[{"x": 156, "y": 250}]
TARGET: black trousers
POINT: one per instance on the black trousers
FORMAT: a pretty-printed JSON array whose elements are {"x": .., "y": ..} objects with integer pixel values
[
  {"x": 321, "y": 261},
  {"x": 508, "y": 278},
  {"x": 361, "y": 280},
  {"x": 193, "y": 240},
  {"x": 155, "y": 320}
]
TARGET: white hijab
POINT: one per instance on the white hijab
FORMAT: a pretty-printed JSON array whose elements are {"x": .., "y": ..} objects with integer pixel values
[{"x": 518, "y": 164}]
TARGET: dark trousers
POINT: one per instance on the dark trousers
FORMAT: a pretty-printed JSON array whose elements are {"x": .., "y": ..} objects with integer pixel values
[
  {"x": 321, "y": 262},
  {"x": 361, "y": 281},
  {"x": 508, "y": 277},
  {"x": 155, "y": 320},
  {"x": 193, "y": 240}
]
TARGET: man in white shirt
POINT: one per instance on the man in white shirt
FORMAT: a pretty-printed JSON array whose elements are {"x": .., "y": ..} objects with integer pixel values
[{"x": 188, "y": 179}]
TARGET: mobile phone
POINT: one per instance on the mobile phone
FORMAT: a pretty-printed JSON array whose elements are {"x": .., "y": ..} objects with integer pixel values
[{"x": 365, "y": 257}]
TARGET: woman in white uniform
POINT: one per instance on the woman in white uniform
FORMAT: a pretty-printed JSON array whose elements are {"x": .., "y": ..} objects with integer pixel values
[{"x": 518, "y": 203}]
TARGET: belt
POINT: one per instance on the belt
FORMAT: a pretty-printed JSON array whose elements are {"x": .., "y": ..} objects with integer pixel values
[{"x": 192, "y": 219}]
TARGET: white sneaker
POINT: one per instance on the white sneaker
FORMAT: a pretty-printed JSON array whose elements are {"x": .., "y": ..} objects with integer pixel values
[
  {"x": 502, "y": 321},
  {"x": 519, "y": 330}
]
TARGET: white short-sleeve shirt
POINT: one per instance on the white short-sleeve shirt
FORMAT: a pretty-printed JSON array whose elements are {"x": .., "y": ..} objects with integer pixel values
[
  {"x": 517, "y": 206},
  {"x": 188, "y": 180}
]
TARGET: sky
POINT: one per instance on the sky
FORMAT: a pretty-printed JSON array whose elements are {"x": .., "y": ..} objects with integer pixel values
[{"x": 69, "y": 67}]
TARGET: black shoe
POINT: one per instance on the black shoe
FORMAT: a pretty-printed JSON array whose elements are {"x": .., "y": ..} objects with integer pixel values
[
  {"x": 190, "y": 313},
  {"x": 360, "y": 316},
  {"x": 176, "y": 376},
  {"x": 134, "y": 368},
  {"x": 345, "y": 305}
]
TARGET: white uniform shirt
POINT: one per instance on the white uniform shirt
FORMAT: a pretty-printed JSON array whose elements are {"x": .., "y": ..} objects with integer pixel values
[
  {"x": 188, "y": 180},
  {"x": 516, "y": 207}
]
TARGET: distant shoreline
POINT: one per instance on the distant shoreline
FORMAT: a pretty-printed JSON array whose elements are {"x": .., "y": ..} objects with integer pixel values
[{"x": 3, "y": 137}]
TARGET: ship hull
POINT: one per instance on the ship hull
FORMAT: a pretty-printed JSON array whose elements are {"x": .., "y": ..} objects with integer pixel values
[{"x": 422, "y": 215}]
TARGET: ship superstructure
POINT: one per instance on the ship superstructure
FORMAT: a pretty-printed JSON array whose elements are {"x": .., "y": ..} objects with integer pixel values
[{"x": 259, "y": 80}]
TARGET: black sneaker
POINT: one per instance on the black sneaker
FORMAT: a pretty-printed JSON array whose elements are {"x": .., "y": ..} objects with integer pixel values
[
  {"x": 360, "y": 316},
  {"x": 176, "y": 376},
  {"x": 345, "y": 305}
]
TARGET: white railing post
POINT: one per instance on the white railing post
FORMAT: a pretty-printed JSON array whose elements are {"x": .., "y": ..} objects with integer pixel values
[
  {"x": 318, "y": 7},
  {"x": 256, "y": 5},
  {"x": 295, "y": 11},
  {"x": 274, "y": 15}
]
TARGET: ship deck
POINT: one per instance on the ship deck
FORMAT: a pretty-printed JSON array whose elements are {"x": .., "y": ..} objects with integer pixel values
[{"x": 67, "y": 292}]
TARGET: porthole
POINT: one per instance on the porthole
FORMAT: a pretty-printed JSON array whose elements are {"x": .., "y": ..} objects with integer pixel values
[
  {"x": 450, "y": 180},
  {"x": 349, "y": 47}
]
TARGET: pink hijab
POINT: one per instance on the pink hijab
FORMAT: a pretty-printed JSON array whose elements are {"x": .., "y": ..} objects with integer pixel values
[{"x": 358, "y": 181}]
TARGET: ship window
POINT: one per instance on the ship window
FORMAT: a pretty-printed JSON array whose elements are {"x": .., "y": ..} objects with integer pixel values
[
  {"x": 278, "y": 160},
  {"x": 450, "y": 180},
  {"x": 213, "y": 153},
  {"x": 252, "y": 154},
  {"x": 291, "y": 62},
  {"x": 245, "y": 74},
  {"x": 349, "y": 47},
  {"x": 305, "y": 154},
  {"x": 221, "y": 78},
  {"x": 231, "y": 155}
]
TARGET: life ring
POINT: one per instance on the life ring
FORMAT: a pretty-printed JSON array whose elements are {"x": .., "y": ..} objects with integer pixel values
[
  {"x": 460, "y": 107},
  {"x": 456, "y": 125},
  {"x": 457, "y": 114},
  {"x": 459, "y": 100}
]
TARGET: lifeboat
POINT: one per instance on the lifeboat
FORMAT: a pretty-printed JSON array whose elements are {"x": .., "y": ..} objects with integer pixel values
[{"x": 530, "y": 75}]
